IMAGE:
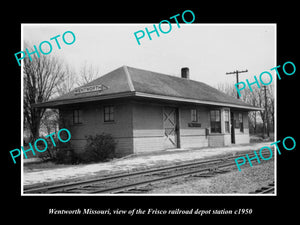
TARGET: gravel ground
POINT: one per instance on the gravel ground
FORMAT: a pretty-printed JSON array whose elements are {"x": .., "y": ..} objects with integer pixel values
[
  {"x": 47, "y": 173},
  {"x": 248, "y": 180}
]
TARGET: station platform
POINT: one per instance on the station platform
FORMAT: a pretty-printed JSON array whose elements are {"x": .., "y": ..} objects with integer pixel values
[{"x": 63, "y": 173}]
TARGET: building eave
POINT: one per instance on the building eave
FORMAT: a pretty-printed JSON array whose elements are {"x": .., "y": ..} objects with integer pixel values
[
  {"x": 60, "y": 102},
  {"x": 212, "y": 103}
]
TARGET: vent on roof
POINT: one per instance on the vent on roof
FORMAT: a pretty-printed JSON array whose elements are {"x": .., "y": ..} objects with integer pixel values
[{"x": 185, "y": 73}]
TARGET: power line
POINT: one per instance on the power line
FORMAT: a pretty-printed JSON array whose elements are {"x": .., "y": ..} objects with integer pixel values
[{"x": 237, "y": 78}]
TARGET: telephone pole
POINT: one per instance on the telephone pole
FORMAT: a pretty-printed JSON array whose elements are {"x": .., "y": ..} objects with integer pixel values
[
  {"x": 237, "y": 78},
  {"x": 266, "y": 123}
]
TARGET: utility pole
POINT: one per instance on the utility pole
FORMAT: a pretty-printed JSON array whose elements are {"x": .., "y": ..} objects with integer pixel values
[
  {"x": 237, "y": 78},
  {"x": 266, "y": 125}
]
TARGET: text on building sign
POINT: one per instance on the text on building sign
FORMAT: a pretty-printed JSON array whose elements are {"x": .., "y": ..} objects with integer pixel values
[{"x": 93, "y": 88}]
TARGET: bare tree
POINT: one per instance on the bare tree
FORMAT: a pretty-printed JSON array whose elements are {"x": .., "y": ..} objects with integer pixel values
[
  {"x": 227, "y": 89},
  {"x": 251, "y": 97},
  {"x": 69, "y": 81},
  {"x": 50, "y": 121},
  {"x": 253, "y": 114},
  {"x": 41, "y": 76},
  {"x": 266, "y": 102},
  {"x": 87, "y": 73},
  {"x": 271, "y": 104},
  {"x": 255, "y": 98}
]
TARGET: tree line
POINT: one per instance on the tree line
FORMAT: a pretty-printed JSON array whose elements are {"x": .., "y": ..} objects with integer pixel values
[
  {"x": 47, "y": 77},
  {"x": 261, "y": 122}
]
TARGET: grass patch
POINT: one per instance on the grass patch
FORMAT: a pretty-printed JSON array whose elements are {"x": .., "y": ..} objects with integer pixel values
[{"x": 36, "y": 166}]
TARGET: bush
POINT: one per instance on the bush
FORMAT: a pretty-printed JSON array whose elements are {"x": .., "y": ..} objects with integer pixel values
[
  {"x": 50, "y": 153},
  {"x": 100, "y": 147},
  {"x": 62, "y": 153},
  {"x": 66, "y": 156}
]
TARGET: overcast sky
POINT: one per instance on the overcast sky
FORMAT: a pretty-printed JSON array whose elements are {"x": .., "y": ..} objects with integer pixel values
[{"x": 209, "y": 50}]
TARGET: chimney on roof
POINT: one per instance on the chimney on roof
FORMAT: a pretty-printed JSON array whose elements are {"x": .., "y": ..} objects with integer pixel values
[{"x": 185, "y": 73}]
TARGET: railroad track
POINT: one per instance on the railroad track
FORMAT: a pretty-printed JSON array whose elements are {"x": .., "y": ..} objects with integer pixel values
[
  {"x": 139, "y": 181},
  {"x": 270, "y": 189}
]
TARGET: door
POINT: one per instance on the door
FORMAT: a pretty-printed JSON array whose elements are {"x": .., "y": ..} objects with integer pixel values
[
  {"x": 232, "y": 125},
  {"x": 170, "y": 118}
]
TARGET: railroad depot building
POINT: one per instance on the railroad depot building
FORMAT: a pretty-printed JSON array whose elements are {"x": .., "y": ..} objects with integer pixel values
[{"x": 149, "y": 111}]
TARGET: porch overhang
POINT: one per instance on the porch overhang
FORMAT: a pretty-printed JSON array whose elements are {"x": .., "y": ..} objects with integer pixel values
[{"x": 61, "y": 102}]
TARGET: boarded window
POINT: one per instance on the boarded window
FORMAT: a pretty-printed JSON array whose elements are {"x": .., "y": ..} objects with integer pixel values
[{"x": 215, "y": 121}]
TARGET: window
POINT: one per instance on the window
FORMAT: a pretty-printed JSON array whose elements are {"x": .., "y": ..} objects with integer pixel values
[
  {"x": 215, "y": 121},
  {"x": 226, "y": 112},
  {"x": 194, "y": 115},
  {"x": 241, "y": 124},
  {"x": 108, "y": 114},
  {"x": 77, "y": 116}
]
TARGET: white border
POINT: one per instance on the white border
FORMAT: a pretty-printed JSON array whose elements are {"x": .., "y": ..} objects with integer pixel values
[
  {"x": 22, "y": 113},
  {"x": 116, "y": 24}
]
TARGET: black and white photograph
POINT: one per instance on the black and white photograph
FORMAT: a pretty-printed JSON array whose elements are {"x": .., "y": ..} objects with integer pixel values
[
  {"x": 162, "y": 117},
  {"x": 137, "y": 112}
]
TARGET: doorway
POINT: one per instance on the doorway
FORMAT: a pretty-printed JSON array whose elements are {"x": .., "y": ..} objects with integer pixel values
[
  {"x": 170, "y": 124},
  {"x": 232, "y": 125}
]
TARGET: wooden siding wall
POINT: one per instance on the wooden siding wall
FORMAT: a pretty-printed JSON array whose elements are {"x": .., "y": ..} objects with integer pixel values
[
  {"x": 148, "y": 133},
  {"x": 242, "y": 137},
  {"x": 93, "y": 123},
  {"x": 192, "y": 137},
  {"x": 138, "y": 127},
  {"x": 216, "y": 140}
]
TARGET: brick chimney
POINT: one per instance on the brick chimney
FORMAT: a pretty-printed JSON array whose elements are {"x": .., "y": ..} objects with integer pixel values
[{"x": 185, "y": 73}]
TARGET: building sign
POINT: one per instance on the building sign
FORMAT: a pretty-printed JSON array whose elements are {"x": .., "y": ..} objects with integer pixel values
[{"x": 93, "y": 88}]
